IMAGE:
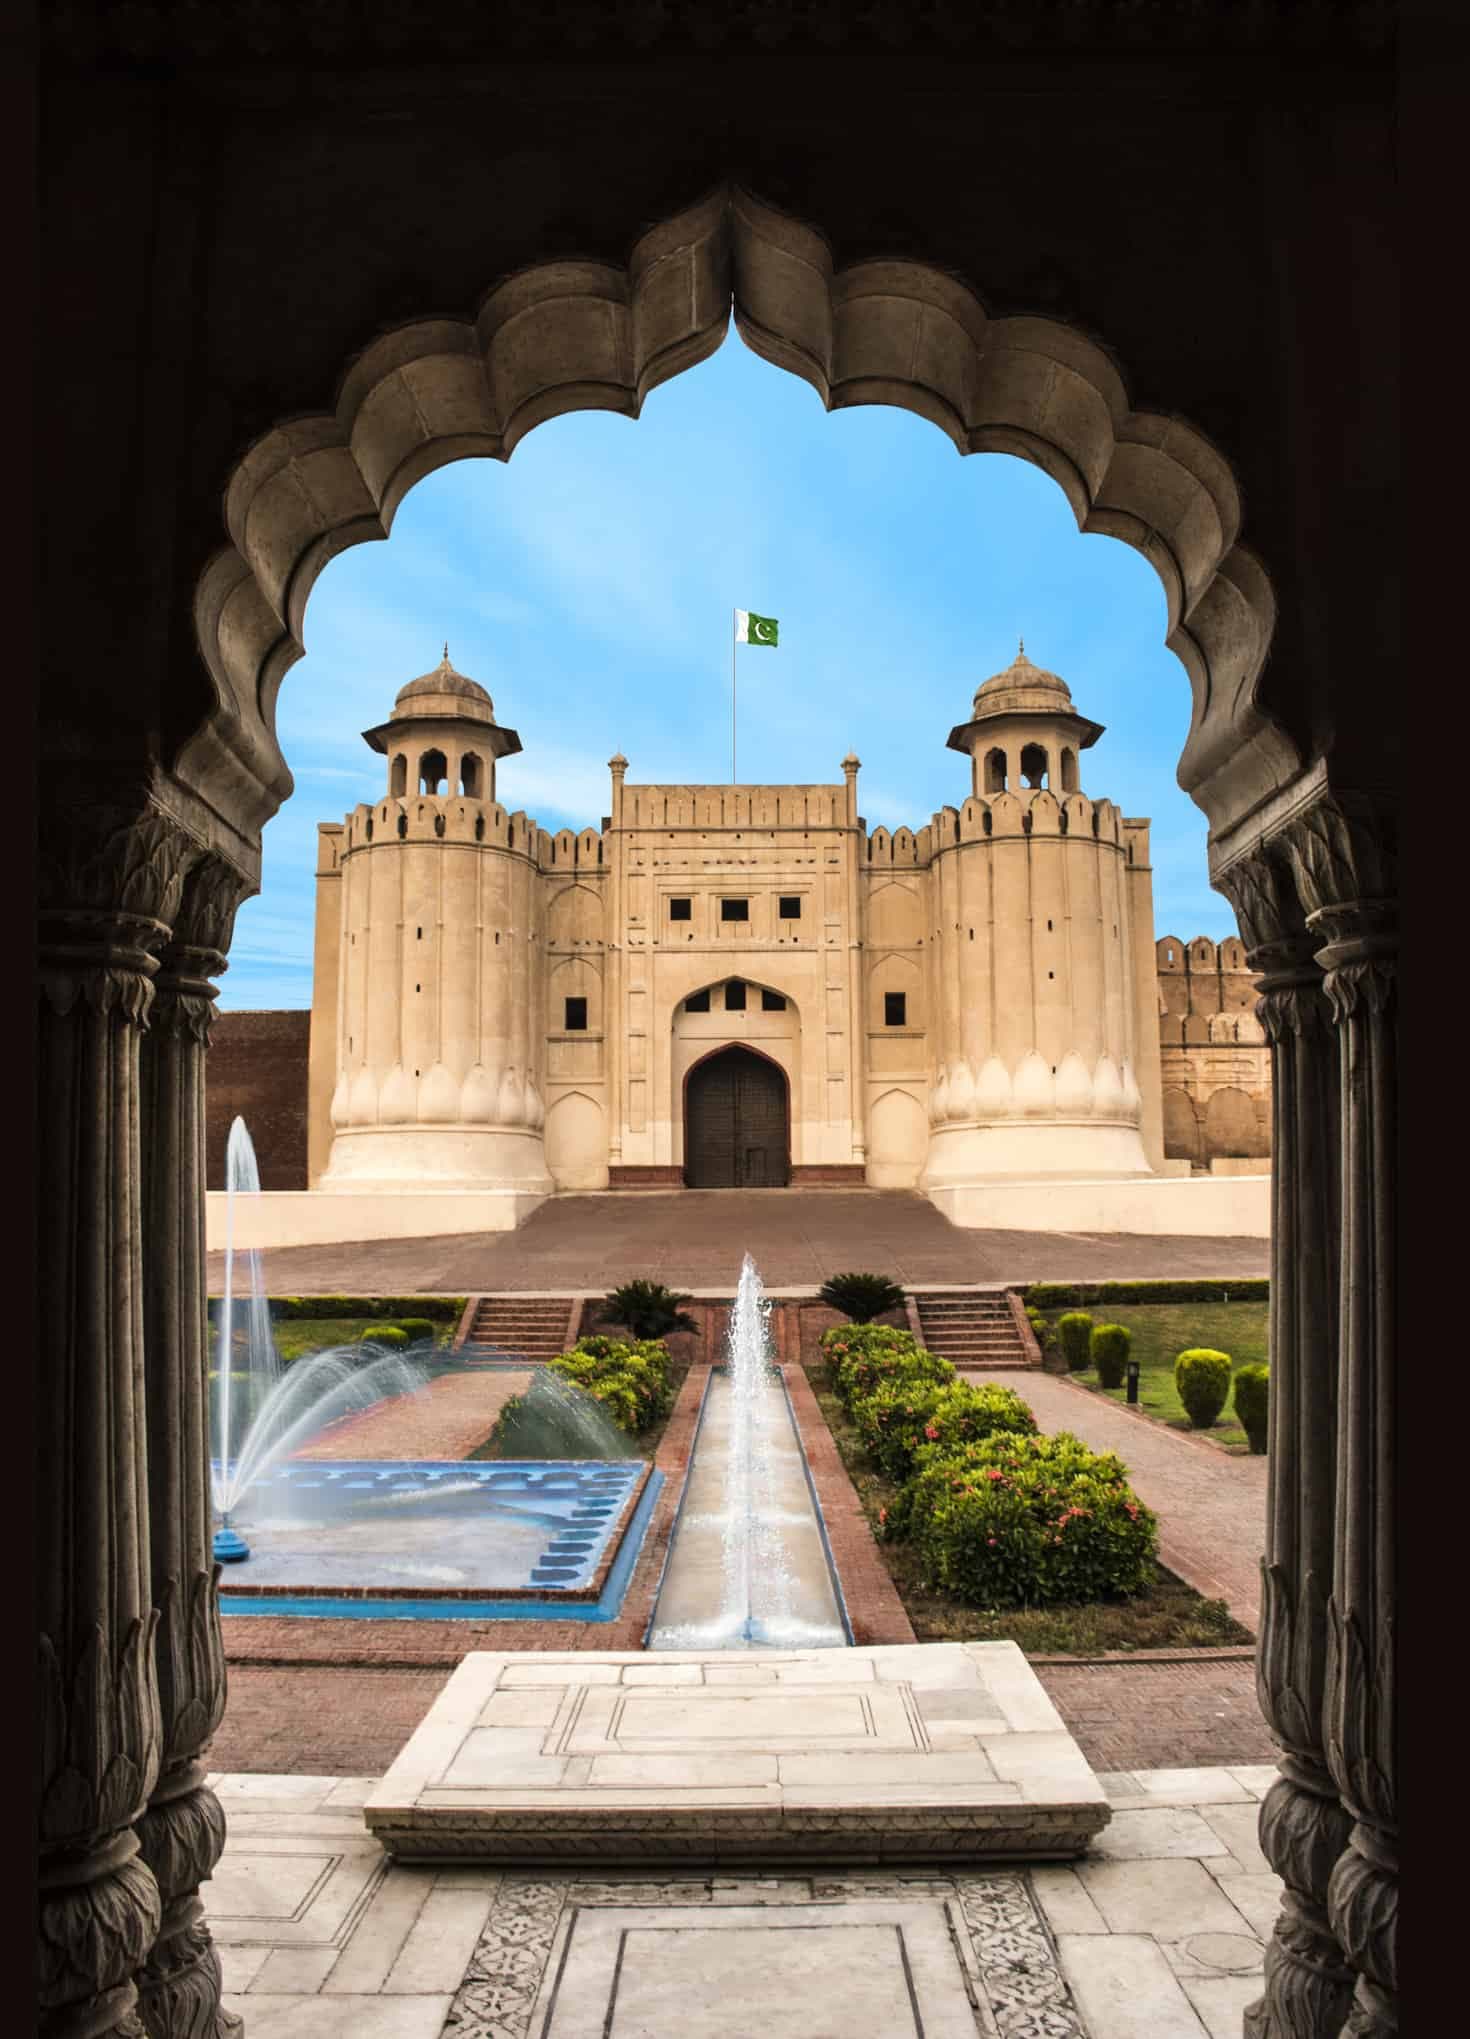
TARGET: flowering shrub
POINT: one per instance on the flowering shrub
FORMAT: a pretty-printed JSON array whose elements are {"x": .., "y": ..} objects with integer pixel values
[
  {"x": 1202, "y": 1378},
  {"x": 1074, "y": 1332},
  {"x": 1019, "y": 1520},
  {"x": 1108, "y": 1347},
  {"x": 629, "y": 1376},
  {"x": 902, "y": 1418},
  {"x": 1252, "y": 1392},
  {"x": 865, "y": 1357}
]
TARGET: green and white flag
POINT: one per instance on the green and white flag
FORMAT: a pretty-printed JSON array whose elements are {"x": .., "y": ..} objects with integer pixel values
[{"x": 752, "y": 629}]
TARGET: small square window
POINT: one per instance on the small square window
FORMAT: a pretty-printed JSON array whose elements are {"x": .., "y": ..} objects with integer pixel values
[
  {"x": 681, "y": 909},
  {"x": 895, "y": 1007},
  {"x": 790, "y": 907},
  {"x": 697, "y": 1001},
  {"x": 576, "y": 1021},
  {"x": 772, "y": 1001},
  {"x": 734, "y": 909},
  {"x": 735, "y": 996}
]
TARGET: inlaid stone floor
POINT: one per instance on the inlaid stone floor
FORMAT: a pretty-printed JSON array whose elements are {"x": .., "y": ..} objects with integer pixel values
[{"x": 1156, "y": 1934}]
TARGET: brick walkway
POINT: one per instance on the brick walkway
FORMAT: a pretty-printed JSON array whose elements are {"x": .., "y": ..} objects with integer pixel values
[
  {"x": 1161, "y": 1715},
  {"x": 447, "y": 1419},
  {"x": 1211, "y": 1507},
  {"x": 694, "y": 1240}
]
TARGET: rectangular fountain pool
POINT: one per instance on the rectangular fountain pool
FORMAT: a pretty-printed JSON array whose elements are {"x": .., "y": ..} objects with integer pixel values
[{"x": 480, "y": 1540}]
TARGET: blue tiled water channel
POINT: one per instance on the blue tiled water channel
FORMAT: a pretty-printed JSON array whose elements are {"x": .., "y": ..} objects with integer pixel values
[{"x": 501, "y": 1540}]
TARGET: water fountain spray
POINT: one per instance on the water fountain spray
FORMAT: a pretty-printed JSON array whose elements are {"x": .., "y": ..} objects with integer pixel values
[{"x": 284, "y": 1407}]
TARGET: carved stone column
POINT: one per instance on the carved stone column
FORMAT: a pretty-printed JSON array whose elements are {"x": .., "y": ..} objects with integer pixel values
[
  {"x": 1303, "y": 1828},
  {"x": 183, "y": 1829},
  {"x": 110, "y": 885},
  {"x": 1345, "y": 856}
]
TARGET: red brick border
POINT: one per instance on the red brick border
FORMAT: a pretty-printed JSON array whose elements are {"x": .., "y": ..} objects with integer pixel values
[{"x": 874, "y": 1611}]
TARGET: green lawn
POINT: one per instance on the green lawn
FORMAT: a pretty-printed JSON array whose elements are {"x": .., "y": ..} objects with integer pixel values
[
  {"x": 1161, "y": 1331},
  {"x": 1170, "y": 1615},
  {"x": 296, "y": 1337}
]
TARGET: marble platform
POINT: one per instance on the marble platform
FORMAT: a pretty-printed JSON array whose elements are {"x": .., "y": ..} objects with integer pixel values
[{"x": 921, "y": 1752}]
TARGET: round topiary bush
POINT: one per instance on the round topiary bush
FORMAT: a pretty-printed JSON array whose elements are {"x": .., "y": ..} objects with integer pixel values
[
  {"x": 1021, "y": 1521},
  {"x": 1109, "y": 1347},
  {"x": 416, "y": 1329},
  {"x": 1202, "y": 1378},
  {"x": 382, "y": 1334},
  {"x": 1252, "y": 1396},
  {"x": 1074, "y": 1330}
]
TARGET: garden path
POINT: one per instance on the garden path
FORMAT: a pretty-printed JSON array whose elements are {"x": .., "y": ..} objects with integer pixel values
[
  {"x": 446, "y": 1420},
  {"x": 1211, "y": 1506}
]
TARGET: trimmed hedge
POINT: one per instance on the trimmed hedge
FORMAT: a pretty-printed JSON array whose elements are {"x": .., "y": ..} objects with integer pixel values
[
  {"x": 1109, "y": 1348},
  {"x": 416, "y": 1329},
  {"x": 1022, "y": 1521},
  {"x": 382, "y": 1334},
  {"x": 1058, "y": 1295},
  {"x": 1252, "y": 1396},
  {"x": 1074, "y": 1332},
  {"x": 1202, "y": 1378},
  {"x": 437, "y": 1309}
]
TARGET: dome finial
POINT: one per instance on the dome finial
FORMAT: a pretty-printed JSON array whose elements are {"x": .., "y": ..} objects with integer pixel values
[
  {"x": 446, "y": 651},
  {"x": 1020, "y": 647}
]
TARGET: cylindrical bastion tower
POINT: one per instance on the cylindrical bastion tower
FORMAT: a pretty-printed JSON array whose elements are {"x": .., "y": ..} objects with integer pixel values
[
  {"x": 1034, "y": 991},
  {"x": 439, "y": 1058}
]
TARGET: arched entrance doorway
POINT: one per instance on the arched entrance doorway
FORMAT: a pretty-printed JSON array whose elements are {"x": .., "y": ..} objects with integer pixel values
[{"x": 737, "y": 1122}]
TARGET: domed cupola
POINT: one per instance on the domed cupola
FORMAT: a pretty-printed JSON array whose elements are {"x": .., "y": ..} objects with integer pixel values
[
  {"x": 1024, "y": 731},
  {"x": 442, "y": 731}
]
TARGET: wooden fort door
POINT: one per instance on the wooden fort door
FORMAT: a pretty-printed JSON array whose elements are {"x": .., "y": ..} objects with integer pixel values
[{"x": 735, "y": 1123}]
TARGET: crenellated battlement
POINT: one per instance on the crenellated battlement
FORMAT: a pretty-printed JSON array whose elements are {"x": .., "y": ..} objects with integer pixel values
[
  {"x": 445, "y": 817},
  {"x": 742, "y": 807}
]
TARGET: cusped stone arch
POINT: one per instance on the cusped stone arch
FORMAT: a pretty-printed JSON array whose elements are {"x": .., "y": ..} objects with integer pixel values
[{"x": 565, "y": 335}]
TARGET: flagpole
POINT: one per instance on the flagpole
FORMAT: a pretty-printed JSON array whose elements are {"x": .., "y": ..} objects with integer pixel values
[{"x": 734, "y": 640}]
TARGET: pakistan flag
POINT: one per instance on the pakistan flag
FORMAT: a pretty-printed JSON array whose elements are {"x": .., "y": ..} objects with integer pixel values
[{"x": 753, "y": 629}]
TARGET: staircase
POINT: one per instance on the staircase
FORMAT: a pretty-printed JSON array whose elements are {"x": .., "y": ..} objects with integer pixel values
[
  {"x": 971, "y": 1328},
  {"x": 515, "y": 1330}
]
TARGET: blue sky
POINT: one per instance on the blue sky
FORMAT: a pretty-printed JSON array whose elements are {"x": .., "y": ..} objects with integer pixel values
[{"x": 589, "y": 583}]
